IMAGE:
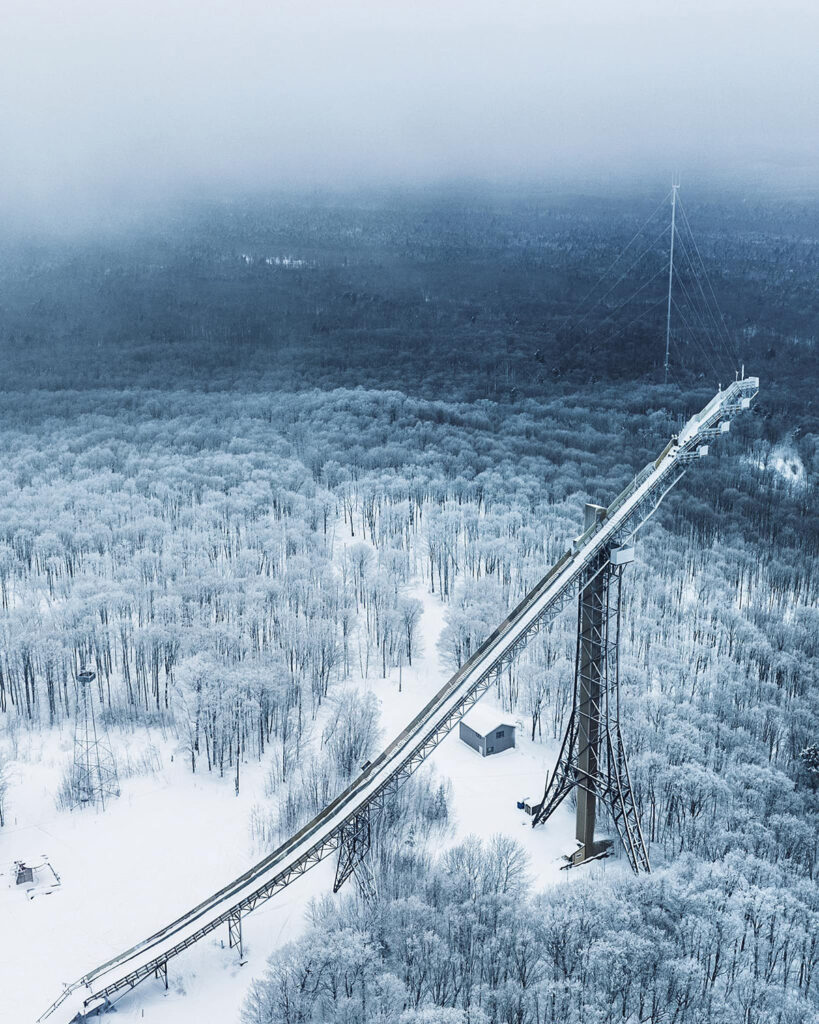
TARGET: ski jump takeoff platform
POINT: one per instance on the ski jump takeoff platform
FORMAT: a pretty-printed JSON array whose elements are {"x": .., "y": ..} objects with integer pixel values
[{"x": 343, "y": 827}]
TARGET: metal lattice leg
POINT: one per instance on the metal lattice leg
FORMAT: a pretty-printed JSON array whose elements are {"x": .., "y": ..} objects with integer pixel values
[
  {"x": 355, "y": 842},
  {"x": 235, "y": 931},
  {"x": 365, "y": 880},
  {"x": 563, "y": 778},
  {"x": 623, "y": 808},
  {"x": 162, "y": 973}
]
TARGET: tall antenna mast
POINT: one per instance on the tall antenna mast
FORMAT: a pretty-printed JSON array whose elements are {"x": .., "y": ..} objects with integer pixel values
[{"x": 674, "y": 187}]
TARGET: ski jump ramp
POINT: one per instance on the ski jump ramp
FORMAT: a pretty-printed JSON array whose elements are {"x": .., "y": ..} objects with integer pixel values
[{"x": 343, "y": 825}]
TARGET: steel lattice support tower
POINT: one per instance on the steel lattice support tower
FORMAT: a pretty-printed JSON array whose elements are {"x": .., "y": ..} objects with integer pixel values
[
  {"x": 353, "y": 847},
  {"x": 592, "y": 756},
  {"x": 94, "y": 773}
]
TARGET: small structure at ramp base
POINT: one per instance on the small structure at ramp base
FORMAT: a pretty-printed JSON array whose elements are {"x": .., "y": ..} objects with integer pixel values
[{"x": 487, "y": 732}]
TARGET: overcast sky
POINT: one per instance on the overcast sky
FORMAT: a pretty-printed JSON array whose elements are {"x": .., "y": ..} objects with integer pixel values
[{"x": 127, "y": 98}]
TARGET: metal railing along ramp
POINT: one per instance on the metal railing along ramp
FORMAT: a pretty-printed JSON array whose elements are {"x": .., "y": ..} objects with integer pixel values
[{"x": 344, "y": 818}]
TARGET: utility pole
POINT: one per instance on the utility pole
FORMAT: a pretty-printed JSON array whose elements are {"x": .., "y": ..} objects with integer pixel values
[{"x": 674, "y": 187}]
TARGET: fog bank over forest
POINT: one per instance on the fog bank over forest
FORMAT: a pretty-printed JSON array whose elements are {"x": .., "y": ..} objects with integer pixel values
[{"x": 116, "y": 107}]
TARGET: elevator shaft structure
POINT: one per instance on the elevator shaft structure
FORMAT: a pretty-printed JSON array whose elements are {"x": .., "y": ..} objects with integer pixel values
[
  {"x": 591, "y": 665},
  {"x": 592, "y": 756}
]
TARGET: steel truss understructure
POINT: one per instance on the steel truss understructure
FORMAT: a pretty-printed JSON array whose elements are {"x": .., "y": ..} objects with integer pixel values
[{"x": 344, "y": 826}]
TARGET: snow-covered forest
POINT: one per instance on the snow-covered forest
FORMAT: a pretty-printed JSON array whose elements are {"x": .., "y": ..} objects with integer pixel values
[{"x": 247, "y": 564}]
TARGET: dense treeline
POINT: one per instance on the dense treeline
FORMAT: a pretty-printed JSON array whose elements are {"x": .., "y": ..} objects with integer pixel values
[
  {"x": 459, "y": 939},
  {"x": 222, "y": 579},
  {"x": 217, "y": 563}
]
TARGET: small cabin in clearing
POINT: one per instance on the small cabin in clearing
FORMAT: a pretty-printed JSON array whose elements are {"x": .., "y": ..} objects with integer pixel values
[{"x": 486, "y": 732}]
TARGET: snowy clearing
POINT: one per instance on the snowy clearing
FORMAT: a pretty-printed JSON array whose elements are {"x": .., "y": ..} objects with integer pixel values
[{"x": 174, "y": 837}]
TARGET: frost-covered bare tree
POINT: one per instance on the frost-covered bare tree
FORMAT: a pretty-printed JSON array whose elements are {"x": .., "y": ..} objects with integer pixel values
[{"x": 351, "y": 731}]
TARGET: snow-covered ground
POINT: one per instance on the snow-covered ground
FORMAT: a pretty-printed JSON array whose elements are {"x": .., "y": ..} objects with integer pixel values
[
  {"x": 785, "y": 462},
  {"x": 172, "y": 838}
]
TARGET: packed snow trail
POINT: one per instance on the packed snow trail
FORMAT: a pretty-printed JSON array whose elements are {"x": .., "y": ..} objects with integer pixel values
[{"x": 344, "y": 821}]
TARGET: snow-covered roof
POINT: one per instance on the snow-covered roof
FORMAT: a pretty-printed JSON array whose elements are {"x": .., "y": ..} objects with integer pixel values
[{"x": 485, "y": 720}]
